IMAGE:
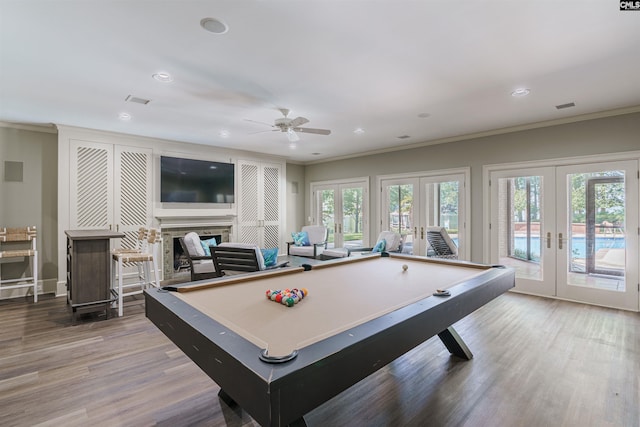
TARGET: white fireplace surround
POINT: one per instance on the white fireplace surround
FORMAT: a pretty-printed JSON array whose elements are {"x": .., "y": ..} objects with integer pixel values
[{"x": 175, "y": 227}]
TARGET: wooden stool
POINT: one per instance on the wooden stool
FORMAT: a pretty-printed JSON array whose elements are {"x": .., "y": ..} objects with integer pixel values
[
  {"x": 145, "y": 257},
  {"x": 17, "y": 236}
]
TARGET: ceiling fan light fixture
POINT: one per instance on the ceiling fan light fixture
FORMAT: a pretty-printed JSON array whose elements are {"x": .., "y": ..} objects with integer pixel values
[{"x": 293, "y": 137}]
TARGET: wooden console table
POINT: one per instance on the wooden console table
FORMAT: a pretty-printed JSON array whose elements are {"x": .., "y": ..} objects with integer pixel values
[{"x": 89, "y": 270}]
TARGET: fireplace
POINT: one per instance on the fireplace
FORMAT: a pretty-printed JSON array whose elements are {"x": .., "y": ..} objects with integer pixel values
[{"x": 174, "y": 263}]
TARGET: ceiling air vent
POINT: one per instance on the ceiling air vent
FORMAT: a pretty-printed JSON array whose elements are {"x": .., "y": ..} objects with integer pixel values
[
  {"x": 137, "y": 100},
  {"x": 404, "y": 137},
  {"x": 563, "y": 106}
]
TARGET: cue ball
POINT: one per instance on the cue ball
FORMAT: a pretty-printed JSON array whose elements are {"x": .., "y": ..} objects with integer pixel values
[{"x": 405, "y": 267}]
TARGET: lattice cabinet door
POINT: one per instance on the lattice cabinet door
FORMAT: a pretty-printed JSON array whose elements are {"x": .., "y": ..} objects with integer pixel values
[
  {"x": 110, "y": 188},
  {"x": 272, "y": 205},
  {"x": 132, "y": 193},
  {"x": 91, "y": 192},
  {"x": 260, "y": 203}
]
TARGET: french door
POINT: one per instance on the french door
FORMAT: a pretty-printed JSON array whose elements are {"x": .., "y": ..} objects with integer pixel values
[
  {"x": 343, "y": 209},
  {"x": 569, "y": 231},
  {"x": 411, "y": 204},
  {"x": 597, "y": 243}
]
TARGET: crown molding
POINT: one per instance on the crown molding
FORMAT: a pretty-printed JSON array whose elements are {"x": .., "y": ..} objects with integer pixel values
[{"x": 500, "y": 131}]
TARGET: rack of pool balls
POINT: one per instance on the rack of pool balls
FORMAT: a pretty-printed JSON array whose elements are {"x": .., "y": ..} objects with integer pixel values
[{"x": 288, "y": 297}]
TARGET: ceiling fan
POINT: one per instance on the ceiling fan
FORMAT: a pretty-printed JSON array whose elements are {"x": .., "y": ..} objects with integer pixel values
[{"x": 291, "y": 126}]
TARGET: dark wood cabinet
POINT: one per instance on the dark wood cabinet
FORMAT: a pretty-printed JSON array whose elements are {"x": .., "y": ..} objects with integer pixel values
[{"x": 89, "y": 270}]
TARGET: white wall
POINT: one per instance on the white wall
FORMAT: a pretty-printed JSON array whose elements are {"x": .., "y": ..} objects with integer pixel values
[
  {"x": 598, "y": 136},
  {"x": 32, "y": 201}
]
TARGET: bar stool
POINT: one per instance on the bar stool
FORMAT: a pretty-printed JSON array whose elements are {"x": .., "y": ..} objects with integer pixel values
[
  {"x": 17, "y": 236},
  {"x": 144, "y": 258}
]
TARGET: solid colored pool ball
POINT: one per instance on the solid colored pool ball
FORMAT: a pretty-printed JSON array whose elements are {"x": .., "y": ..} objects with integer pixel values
[
  {"x": 278, "y": 298},
  {"x": 405, "y": 267}
]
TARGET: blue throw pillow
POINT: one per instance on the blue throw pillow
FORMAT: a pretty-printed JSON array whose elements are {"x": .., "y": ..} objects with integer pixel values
[
  {"x": 206, "y": 243},
  {"x": 301, "y": 238},
  {"x": 270, "y": 257},
  {"x": 379, "y": 247}
]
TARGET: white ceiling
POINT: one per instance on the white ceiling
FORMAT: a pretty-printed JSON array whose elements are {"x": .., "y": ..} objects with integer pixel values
[{"x": 370, "y": 64}]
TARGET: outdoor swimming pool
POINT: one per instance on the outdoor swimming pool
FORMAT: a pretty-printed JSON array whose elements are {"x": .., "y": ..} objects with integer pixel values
[{"x": 578, "y": 244}]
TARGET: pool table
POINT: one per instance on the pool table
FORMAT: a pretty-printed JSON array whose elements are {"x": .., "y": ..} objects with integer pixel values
[{"x": 360, "y": 313}]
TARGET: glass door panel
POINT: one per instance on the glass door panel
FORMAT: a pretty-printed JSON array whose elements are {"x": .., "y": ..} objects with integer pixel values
[
  {"x": 326, "y": 202},
  {"x": 352, "y": 216},
  {"x": 598, "y": 240},
  {"x": 400, "y": 200},
  {"x": 444, "y": 207},
  {"x": 522, "y": 227}
]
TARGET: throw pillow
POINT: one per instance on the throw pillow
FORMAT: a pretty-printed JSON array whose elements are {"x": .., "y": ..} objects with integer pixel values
[
  {"x": 301, "y": 238},
  {"x": 206, "y": 243},
  {"x": 379, "y": 247},
  {"x": 270, "y": 256}
]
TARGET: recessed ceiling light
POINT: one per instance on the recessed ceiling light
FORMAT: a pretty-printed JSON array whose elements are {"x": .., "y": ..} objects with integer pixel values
[
  {"x": 163, "y": 77},
  {"x": 293, "y": 145},
  {"x": 520, "y": 92},
  {"x": 358, "y": 131},
  {"x": 224, "y": 133},
  {"x": 214, "y": 25},
  {"x": 124, "y": 116}
]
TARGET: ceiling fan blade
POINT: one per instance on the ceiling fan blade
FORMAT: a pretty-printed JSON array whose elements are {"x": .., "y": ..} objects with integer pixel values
[
  {"x": 255, "y": 121},
  {"x": 263, "y": 131},
  {"x": 311, "y": 130},
  {"x": 298, "y": 121},
  {"x": 293, "y": 137}
]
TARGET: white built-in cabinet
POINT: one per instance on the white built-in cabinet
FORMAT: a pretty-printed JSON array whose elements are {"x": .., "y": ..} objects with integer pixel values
[
  {"x": 261, "y": 200},
  {"x": 110, "y": 188}
]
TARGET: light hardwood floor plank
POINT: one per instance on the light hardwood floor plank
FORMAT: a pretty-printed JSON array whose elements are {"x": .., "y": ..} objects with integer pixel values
[{"x": 537, "y": 362}]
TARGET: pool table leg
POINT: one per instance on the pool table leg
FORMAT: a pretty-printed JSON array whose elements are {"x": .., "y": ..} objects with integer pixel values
[
  {"x": 300, "y": 422},
  {"x": 226, "y": 398},
  {"x": 455, "y": 344}
]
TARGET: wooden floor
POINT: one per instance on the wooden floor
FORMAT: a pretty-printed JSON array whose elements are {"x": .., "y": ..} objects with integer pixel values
[{"x": 538, "y": 362}]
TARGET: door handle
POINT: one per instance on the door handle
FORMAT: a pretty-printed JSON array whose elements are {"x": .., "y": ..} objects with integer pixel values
[
  {"x": 548, "y": 240},
  {"x": 415, "y": 232},
  {"x": 560, "y": 240},
  {"x": 422, "y": 233}
]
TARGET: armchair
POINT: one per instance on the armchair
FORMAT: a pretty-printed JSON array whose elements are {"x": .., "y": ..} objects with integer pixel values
[
  {"x": 201, "y": 264},
  {"x": 317, "y": 242},
  {"x": 393, "y": 242}
]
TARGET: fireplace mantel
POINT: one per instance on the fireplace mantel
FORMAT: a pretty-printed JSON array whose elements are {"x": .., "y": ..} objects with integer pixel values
[{"x": 195, "y": 221}]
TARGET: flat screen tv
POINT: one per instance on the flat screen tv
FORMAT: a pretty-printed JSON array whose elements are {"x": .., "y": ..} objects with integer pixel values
[{"x": 196, "y": 181}]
